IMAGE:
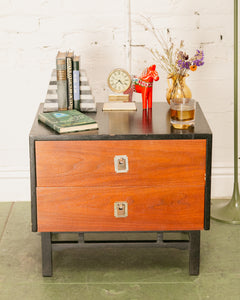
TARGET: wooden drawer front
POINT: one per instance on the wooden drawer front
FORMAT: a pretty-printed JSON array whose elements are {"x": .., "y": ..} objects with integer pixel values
[
  {"x": 91, "y": 163},
  {"x": 149, "y": 209}
]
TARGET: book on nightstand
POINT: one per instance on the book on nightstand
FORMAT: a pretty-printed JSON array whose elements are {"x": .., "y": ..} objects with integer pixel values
[
  {"x": 69, "y": 63},
  {"x": 68, "y": 121},
  {"x": 76, "y": 82},
  {"x": 61, "y": 69}
]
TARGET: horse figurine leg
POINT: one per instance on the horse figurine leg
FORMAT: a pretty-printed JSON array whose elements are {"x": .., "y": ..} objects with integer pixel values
[
  {"x": 144, "y": 98},
  {"x": 147, "y": 97},
  {"x": 150, "y": 97}
]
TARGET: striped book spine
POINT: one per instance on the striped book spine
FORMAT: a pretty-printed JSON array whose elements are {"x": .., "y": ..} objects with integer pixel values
[{"x": 69, "y": 61}]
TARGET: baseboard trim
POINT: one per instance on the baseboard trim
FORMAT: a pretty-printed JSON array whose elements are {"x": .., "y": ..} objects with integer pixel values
[
  {"x": 222, "y": 181},
  {"x": 223, "y": 171},
  {"x": 12, "y": 173},
  {"x": 14, "y": 185}
]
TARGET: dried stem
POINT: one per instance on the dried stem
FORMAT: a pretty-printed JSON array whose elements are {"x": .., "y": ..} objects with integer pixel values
[{"x": 168, "y": 57}]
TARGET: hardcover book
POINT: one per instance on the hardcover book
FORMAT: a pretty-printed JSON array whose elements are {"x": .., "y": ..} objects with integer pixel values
[
  {"x": 68, "y": 121},
  {"x": 76, "y": 81},
  {"x": 61, "y": 68},
  {"x": 69, "y": 62}
]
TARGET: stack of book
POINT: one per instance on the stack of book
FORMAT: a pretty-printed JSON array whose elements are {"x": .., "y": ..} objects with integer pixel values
[{"x": 69, "y": 87}]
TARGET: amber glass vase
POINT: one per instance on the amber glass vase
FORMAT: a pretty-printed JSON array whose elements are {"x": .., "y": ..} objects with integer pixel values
[{"x": 177, "y": 87}]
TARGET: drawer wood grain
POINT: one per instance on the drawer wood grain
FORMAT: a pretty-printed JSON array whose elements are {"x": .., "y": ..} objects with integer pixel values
[
  {"x": 91, "y": 163},
  {"x": 149, "y": 209}
]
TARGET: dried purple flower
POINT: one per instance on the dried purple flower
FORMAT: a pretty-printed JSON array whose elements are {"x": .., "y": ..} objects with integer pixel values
[
  {"x": 199, "y": 55},
  {"x": 183, "y": 64},
  {"x": 182, "y": 55},
  {"x": 198, "y": 62}
]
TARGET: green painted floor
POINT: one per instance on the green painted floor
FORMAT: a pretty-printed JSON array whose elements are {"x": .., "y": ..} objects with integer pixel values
[{"x": 115, "y": 273}]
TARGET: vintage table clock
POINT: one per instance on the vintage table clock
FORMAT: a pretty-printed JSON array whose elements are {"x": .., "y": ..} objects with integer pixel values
[{"x": 119, "y": 81}]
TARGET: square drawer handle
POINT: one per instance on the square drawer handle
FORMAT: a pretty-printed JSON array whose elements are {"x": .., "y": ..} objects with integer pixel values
[
  {"x": 121, "y": 163},
  {"x": 121, "y": 209}
]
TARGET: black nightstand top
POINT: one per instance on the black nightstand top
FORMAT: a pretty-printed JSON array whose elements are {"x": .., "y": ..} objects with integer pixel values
[{"x": 140, "y": 124}]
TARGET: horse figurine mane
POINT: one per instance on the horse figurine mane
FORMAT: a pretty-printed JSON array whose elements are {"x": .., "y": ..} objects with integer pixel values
[{"x": 144, "y": 83}]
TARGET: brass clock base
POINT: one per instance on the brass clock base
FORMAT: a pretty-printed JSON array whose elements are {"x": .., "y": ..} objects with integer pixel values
[{"x": 123, "y": 97}]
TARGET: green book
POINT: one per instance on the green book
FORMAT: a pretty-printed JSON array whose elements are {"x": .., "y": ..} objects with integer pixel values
[{"x": 67, "y": 121}]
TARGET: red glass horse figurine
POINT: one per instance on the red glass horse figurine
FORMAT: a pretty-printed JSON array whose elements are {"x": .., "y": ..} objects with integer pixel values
[{"x": 144, "y": 84}]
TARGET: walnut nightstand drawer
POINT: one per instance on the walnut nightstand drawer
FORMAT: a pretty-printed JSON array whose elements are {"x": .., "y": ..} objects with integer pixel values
[
  {"x": 91, "y": 163},
  {"x": 149, "y": 209}
]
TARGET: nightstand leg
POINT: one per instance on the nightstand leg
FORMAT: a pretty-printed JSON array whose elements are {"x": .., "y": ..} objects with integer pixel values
[
  {"x": 194, "y": 252},
  {"x": 46, "y": 254}
]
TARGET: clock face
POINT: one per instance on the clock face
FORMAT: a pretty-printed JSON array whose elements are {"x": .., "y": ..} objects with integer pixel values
[{"x": 119, "y": 80}]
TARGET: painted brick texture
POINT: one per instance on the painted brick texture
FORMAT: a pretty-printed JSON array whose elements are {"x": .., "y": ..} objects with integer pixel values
[{"x": 31, "y": 33}]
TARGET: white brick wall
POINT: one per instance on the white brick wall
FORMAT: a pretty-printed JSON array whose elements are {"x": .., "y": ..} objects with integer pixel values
[{"x": 31, "y": 33}]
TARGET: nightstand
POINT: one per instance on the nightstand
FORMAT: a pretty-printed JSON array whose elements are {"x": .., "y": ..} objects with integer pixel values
[{"x": 134, "y": 174}]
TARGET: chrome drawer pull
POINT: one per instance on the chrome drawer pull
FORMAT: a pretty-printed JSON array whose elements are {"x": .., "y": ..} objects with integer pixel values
[
  {"x": 121, "y": 163},
  {"x": 121, "y": 209}
]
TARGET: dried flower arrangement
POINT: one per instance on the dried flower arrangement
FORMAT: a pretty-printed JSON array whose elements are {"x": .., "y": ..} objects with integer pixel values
[{"x": 173, "y": 60}]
